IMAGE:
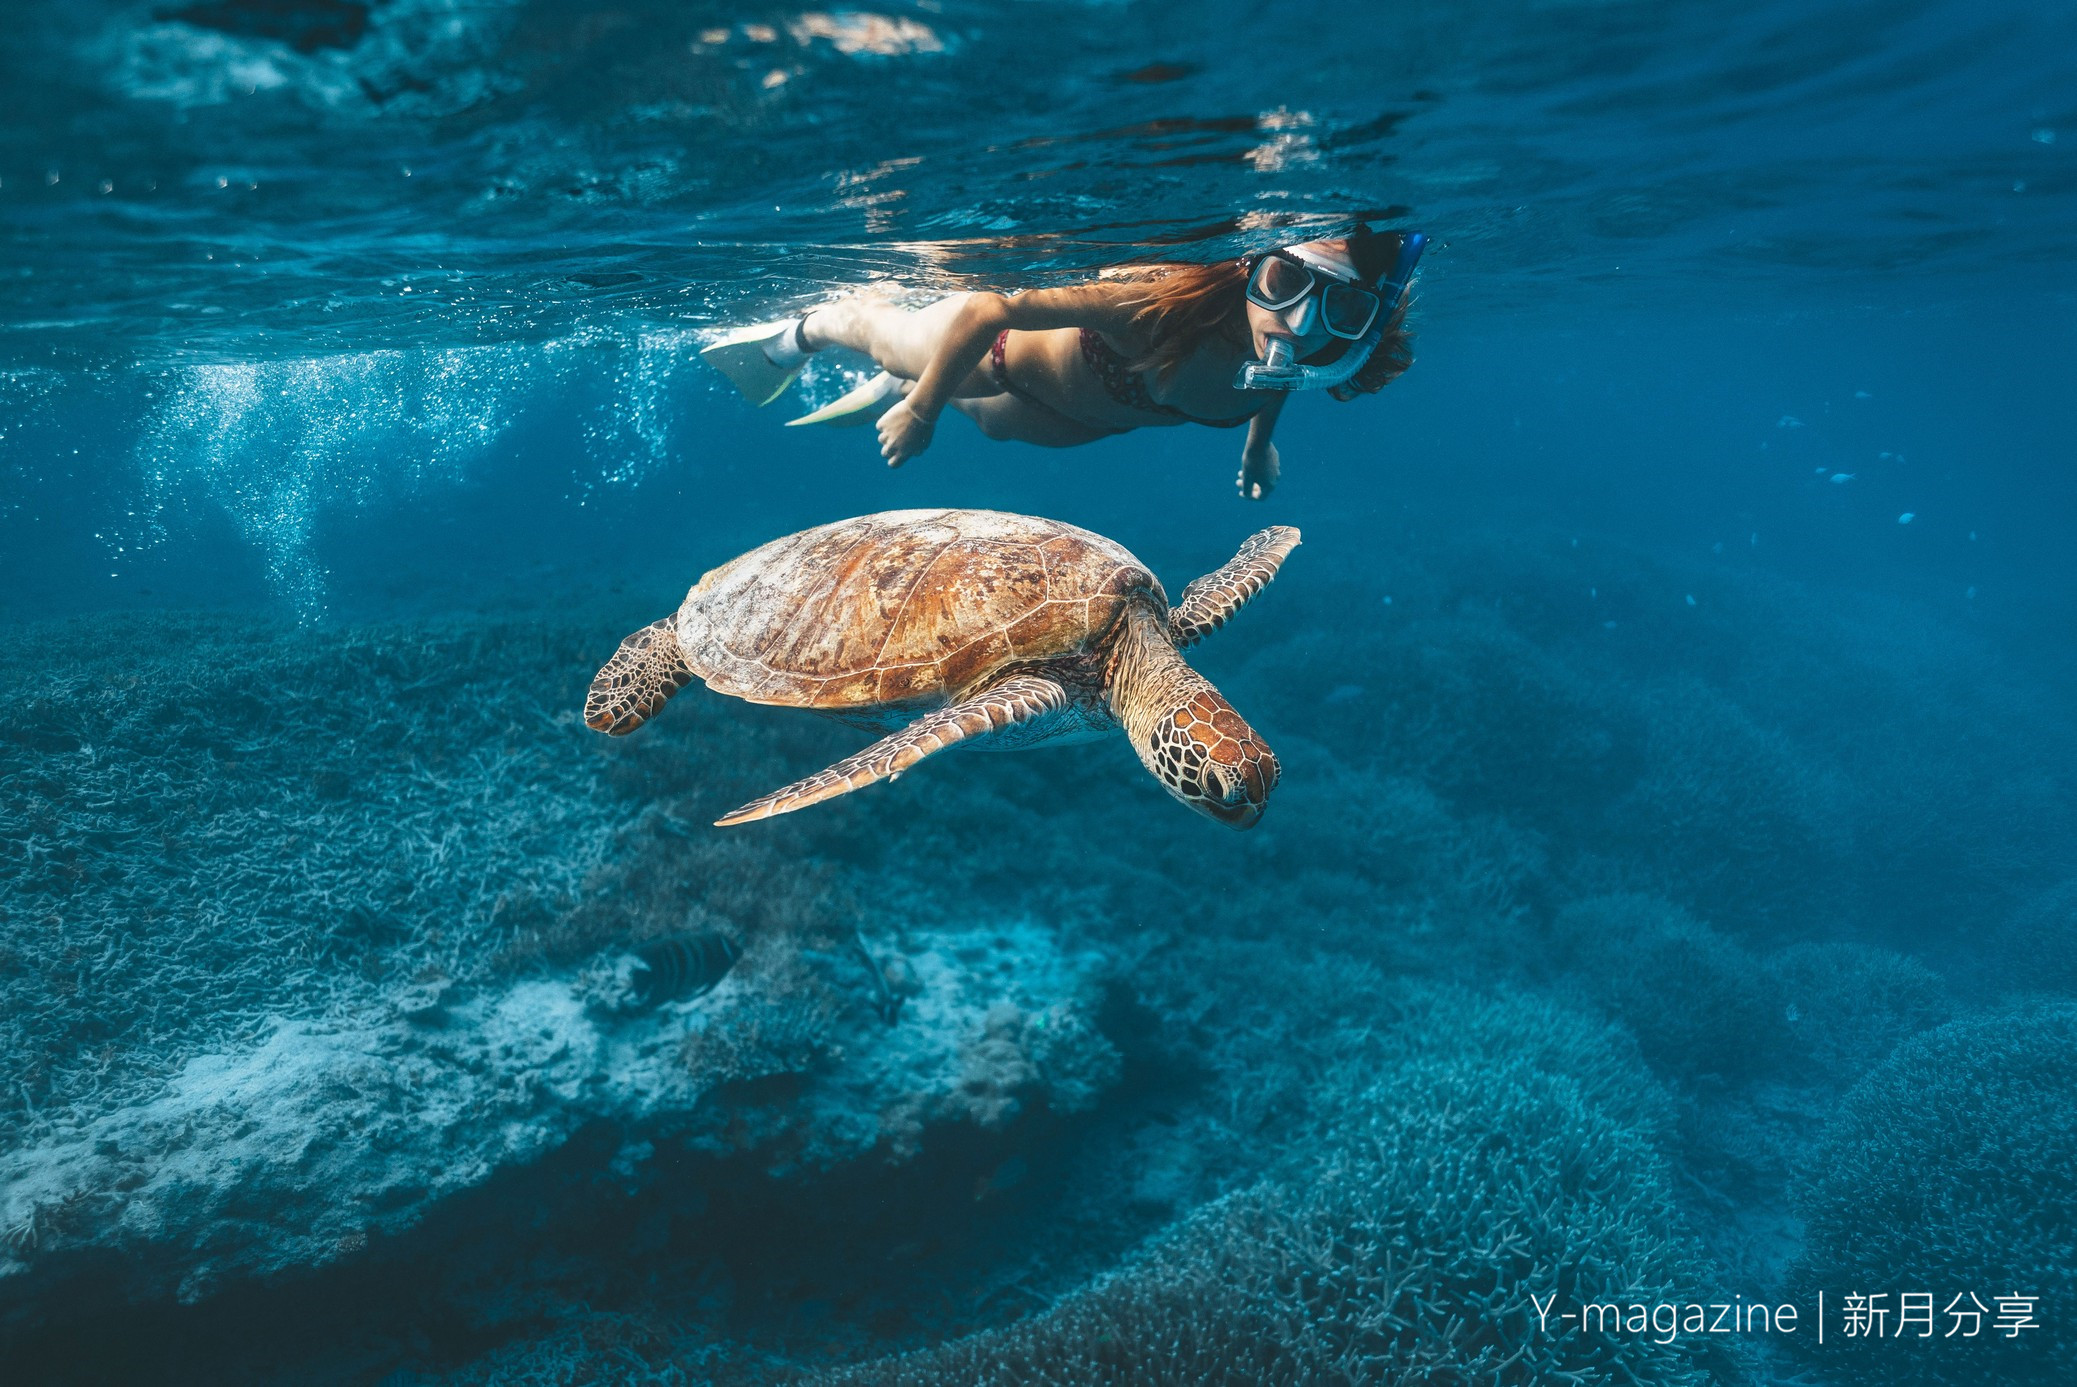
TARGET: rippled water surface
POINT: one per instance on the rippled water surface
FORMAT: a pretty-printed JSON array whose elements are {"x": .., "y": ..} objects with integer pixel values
[
  {"x": 1676, "y": 851},
  {"x": 233, "y": 179}
]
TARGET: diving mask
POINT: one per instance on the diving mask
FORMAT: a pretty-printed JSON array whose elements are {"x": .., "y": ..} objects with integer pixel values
[{"x": 1347, "y": 310}]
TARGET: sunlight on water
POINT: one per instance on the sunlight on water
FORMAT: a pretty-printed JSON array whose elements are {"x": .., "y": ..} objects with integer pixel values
[{"x": 425, "y": 55}]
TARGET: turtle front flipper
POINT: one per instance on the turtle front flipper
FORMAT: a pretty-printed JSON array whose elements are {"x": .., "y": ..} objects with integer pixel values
[
  {"x": 1007, "y": 703},
  {"x": 1210, "y": 601},
  {"x": 629, "y": 688}
]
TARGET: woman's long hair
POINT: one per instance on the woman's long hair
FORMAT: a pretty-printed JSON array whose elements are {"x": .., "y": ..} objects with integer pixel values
[{"x": 1183, "y": 305}]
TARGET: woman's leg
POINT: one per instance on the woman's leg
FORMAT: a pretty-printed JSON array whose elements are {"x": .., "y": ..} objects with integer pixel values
[
  {"x": 901, "y": 342},
  {"x": 1007, "y": 418}
]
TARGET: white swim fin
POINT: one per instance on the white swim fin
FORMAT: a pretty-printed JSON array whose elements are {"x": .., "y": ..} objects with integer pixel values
[
  {"x": 741, "y": 356},
  {"x": 863, "y": 405}
]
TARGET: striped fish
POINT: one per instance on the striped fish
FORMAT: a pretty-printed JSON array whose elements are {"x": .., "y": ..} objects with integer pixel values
[{"x": 687, "y": 965}]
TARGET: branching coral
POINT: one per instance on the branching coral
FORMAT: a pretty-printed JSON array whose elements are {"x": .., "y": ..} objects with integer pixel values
[
  {"x": 2038, "y": 949},
  {"x": 1406, "y": 1251},
  {"x": 211, "y": 822},
  {"x": 1698, "y": 1003},
  {"x": 1455, "y": 699},
  {"x": 1845, "y": 1006},
  {"x": 1947, "y": 1171},
  {"x": 1728, "y": 816}
]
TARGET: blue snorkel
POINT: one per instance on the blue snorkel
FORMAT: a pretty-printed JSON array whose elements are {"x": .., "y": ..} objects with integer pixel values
[{"x": 1282, "y": 371}]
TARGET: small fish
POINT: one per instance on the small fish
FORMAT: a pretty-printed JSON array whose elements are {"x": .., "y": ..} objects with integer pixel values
[
  {"x": 1841, "y": 477},
  {"x": 883, "y": 981},
  {"x": 686, "y": 966},
  {"x": 1788, "y": 421},
  {"x": 1907, "y": 517},
  {"x": 1002, "y": 1179}
]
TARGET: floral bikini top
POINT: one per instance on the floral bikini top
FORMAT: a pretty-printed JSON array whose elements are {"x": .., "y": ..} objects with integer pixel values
[{"x": 1125, "y": 386}]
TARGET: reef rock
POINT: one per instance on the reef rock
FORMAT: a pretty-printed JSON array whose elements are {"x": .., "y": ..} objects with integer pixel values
[{"x": 296, "y": 1149}]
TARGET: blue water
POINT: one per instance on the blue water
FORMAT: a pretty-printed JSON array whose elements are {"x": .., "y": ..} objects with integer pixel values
[{"x": 1715, "y": 554}]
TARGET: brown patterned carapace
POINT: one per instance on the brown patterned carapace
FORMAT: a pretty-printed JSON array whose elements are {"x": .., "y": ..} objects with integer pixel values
[{"x": 955, "y": 627}]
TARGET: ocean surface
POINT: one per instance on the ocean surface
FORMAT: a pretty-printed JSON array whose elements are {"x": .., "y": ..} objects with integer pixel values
[{"x": 1670, "y": 897}]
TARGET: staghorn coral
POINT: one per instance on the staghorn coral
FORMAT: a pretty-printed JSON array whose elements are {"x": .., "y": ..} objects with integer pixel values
[
  {"x": 1697, "y": 1002},
  {"x": 2038, "y": 948},
  {"x": 1447, "y": 694},
  {"x": 214, "y": 822},
  {"x": 303, "y": 927},
  {"x": 1405, "y": 1250},
  {"x": 1728, "y": 817},
  {"x": 1269, "y": 973},
  {"x": 1846, "y": 1006},
  {"x": 1947, "y": 1170}
]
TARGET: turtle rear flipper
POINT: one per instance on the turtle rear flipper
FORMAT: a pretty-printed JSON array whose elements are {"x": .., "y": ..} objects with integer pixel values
[
  {"x": 1011, "y": 702},
  {"x": 1209, "y": 602},
  {"x": 629, "y": 688}
]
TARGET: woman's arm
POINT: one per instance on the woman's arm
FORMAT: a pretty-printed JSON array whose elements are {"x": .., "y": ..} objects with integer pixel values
[
  {"x": 906, "y": 429},
  {"x": 1259, "y": 466}
]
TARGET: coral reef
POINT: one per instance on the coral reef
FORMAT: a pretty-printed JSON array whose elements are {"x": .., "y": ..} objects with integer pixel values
[
  {"x": 1697, "y": 1002},
  {"x": 314, "y": 935},
  {"x": 1947, "y": 1171},
  {"x": 1845, "y": 1006},
  {"x": 2037, "y": 949},
  {"x": 223, "y": 822},
  {"x": 1404, "y": 1248},
  {"x": 1763, "y": 756},
  {"x": 1728, "y": 816},
  {"x": 295, "y": 1152},
  {"x": 1539, "y": 893}
]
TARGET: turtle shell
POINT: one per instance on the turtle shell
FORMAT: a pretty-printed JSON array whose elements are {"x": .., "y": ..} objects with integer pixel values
[{"x": 904, "y": 607}]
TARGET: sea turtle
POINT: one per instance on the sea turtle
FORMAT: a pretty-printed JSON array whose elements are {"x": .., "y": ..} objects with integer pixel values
[{"x": 942, "y": 626}]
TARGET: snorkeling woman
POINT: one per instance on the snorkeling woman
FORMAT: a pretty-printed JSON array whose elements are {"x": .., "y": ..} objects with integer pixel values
[{"x": 1222, "y": 344}]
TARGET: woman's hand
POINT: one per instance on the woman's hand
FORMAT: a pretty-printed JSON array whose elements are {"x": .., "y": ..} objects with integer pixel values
[
  {"x": 1259, "y": 470},
  {"x": 903, "y": 434}
]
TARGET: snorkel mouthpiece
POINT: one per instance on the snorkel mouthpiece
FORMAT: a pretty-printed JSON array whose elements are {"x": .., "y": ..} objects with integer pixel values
[
  {"x": 1283, "y": 372},
  {"x": 1280, "y": 371}
]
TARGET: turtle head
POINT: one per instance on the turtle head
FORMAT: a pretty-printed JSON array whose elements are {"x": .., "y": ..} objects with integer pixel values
[
  {"x": 1210, "y": 759},
  {"x": 1184, "y": 730}
]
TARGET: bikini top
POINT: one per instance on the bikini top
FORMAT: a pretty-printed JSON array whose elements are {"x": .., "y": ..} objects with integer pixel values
[{"x": 1125, "y": 386}]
